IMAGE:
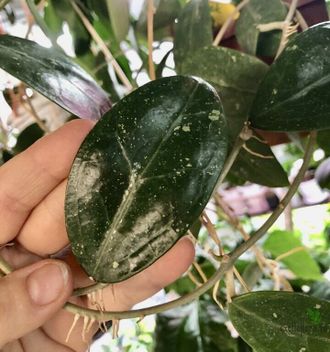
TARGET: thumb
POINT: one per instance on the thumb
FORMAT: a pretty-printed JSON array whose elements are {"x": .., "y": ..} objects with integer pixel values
[{"x": 30, "y": 296}]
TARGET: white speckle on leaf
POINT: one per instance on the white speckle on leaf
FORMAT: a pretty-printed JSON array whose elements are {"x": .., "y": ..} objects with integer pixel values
[
  {"x": 274, "y": 315},
  {"x": 214, "y": 115},
  {"x": 317, "y": 306},
  {"x": 177, "y": 128},
  {"x": 186, "y": 128},
  {"x": 274, "y": 91},
  {"x": 115, "y": 265},
  {"x": 303, "y": 349}
]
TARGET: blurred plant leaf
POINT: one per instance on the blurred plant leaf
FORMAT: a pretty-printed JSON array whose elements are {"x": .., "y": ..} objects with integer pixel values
[
  {"x": 157, "y": 156},
  {"x": 166, "y": 11},
  {"x": 282, "y": 321},
  {"x": 53, "y": 21},
  {"x": 119, "y": 17},
  {"x": 300, "y": 263},
  {"x": 258, "y": 12},
  {"x": 192, "y": 32},
  {"x": 54, "y": 75},
  {"x": 294, "y": 95},
  {"x": 320, "y": 289},
  {"x": 323, "y": 141},
  {"x": 197, "y": 327},
  {"x": 322, "y": 174},
  {"x": 27, "y": 137}
]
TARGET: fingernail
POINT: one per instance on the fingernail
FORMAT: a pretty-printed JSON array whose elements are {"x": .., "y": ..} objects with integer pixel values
[{"x": 46, "y": 283}]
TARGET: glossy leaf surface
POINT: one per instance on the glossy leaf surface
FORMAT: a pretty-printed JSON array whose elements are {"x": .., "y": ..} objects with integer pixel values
[
  {"x": 54, "y": 75},
  {"x": 258, "y": 12},
  {"x": 198, "y": 327},
  {"x": 282, "y": 321},
  {"x": 294, "y": 95},
  {"x": 300, "y": 263},
  {"x": 237, "y": 76},
  {"x": 193, "y": 31},
  {"x": 143, "y": 175}
]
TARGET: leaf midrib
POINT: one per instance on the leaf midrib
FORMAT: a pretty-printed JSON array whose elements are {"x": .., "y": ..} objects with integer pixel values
[
  {"x": 127, "y": 201},
  {"x": 305, "y": 90}
]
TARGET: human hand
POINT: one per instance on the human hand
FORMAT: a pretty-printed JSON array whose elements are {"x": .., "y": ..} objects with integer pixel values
[{"x": 32, "y": 191}]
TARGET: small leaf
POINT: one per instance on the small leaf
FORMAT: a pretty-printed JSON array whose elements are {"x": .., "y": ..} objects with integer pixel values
[
  {"x": 300, "y": 263},
  {"x": 282, "y": 321},
  {"x": 54, "y": 75},
  {"x": 193, "y": 31},
  {"x": 258, "y": 12},
  {"x": 258, "y": 164},
  {"x": 236, "y": 76},
  {"x": 198, "y": 327},
  {"x": 119, "y": 16},
  {"x": 143, "y": 175},
  {"x": 294, "y": 95}
]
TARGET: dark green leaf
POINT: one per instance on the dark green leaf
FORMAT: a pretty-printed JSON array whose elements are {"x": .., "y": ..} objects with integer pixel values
[
  {"x": 322, "y": 174},
  {"x": 282, "y": 321},
  {"x": 300, "y": 263},
  {"x": 27, "y": 137},
  {"x": 259, "y": 165},
  {"x": 54, "y": 75},
  {"x": 258, "y": 12},
  {"x": 198, "y": 327},
  {"x": 193, "y": 31},
  {"x": 166, "y": 11},
  {"x": 236, "y": 76},
  {"x": 294, "y": 95},
  {"x": 143, "y": 176}
]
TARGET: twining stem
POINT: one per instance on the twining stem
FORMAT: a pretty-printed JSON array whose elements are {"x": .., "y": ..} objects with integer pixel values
[
  {"x": 226, "y": 263},
  {"x": 244, "y": 136},
  {"x": 3, "y": 3},
  {"x": 150, "y": 29},
  {"x": 228, "y": 22},
  {"x": 105, "y": 50}
]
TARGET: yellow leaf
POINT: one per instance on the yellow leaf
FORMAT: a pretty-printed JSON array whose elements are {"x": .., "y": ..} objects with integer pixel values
[{"x": 220, "y": 12}]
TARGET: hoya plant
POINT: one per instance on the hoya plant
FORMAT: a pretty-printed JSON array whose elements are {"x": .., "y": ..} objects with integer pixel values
[{"x": 161, "y": 150}]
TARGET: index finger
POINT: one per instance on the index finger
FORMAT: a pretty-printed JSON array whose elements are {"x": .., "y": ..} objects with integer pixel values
[{"x": 27, "y": 178}]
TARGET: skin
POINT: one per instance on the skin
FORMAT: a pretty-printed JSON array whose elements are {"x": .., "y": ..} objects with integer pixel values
[{"x": 32, "y": 191}]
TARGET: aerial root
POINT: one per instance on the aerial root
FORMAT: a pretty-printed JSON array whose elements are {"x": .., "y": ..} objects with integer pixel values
[{"x": 74, "y": 323}]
